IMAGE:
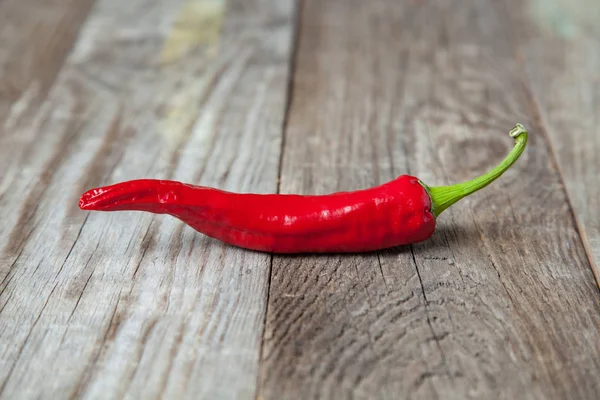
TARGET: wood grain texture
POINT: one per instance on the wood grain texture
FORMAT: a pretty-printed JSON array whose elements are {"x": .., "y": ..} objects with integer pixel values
[
  {"x": 502, "y": 302},
  {"x": 35, "y": 37},
  {"x": 125, "y": 305},
  {"x": 559, "y": 45}
]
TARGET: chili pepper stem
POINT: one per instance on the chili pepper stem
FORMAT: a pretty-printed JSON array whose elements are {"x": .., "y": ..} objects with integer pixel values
[{"x": 443, "y": 197}]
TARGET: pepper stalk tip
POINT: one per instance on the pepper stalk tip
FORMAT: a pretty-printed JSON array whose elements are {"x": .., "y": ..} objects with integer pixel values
[
  {"x": 443, "y": 197},
  {"x": 517, "y": 130}
]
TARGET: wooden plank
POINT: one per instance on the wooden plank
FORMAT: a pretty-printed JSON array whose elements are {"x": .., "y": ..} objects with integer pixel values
[
  {"x": 35, "y": 38},
  {"x": 501, "y": 302},
  {"x": 126, "y": 305},
  {"x": 559, "y": 43}
]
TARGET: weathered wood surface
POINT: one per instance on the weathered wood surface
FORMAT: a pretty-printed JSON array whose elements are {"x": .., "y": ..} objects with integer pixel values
[
  {"x": 559, "y": 45},
  {"x": 502, "y": 302},
  {"x": 127, "y": 305},
  {"x": 35, "y": 37}
]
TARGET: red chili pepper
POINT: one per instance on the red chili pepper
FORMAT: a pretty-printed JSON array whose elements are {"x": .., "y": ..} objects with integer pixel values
[{"x": 399, "y": 212}]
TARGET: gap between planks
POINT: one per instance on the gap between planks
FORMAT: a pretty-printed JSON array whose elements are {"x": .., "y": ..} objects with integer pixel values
[{"x": 296, "y": 32}]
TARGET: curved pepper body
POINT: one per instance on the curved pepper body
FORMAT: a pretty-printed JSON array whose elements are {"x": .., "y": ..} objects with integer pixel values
[
  {"x": 399, "y": 212},
  {"x": 392, "y": 214}
]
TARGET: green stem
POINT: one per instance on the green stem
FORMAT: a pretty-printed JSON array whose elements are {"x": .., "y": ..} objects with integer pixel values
[{"x": 443, "y": 197}]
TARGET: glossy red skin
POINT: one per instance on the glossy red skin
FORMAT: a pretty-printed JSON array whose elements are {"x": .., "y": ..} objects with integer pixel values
[{"x": 392, "y": 214}]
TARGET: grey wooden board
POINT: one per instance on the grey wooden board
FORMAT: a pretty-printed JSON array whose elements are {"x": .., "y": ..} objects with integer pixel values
[
  {"x": 501, "y": 303},
  {"x": 35, "y": 37},
  {"x": 559, "y": 46},
  {"x": 127, "y": 305}
]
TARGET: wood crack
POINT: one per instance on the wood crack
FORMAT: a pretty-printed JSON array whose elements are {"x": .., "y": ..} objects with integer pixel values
[
  {"x": 387, "y": 289},
  {"x": 72, "y": 246},
  {"x": 6, "y": 280},
  {"x": 500, "y": 277},
  {"x": 10, "y": 296},
  {"x": 291, "y": 74},
  {"x": 145, "y": 249},
  {"x": 84, "y": 286},
  {"x": 88, "y": 372},
  {"x": 20, "y": 352},
  {"x": 428, "y": 315},
  {"x": 146, "y": 333}
]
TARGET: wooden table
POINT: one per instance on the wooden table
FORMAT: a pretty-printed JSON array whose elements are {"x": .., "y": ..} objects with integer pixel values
[{"x": 289, "y": 96}]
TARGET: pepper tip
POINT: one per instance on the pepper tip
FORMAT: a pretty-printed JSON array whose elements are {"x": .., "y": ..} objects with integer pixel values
[
  {"x": 83, "y": 202},
  {"x": 90, "y": 199}
]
